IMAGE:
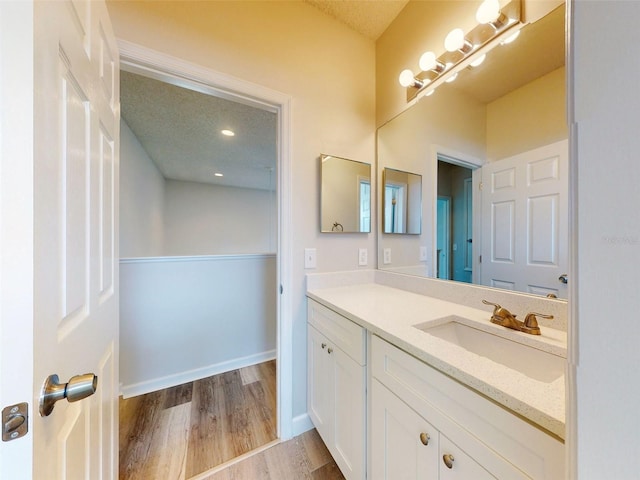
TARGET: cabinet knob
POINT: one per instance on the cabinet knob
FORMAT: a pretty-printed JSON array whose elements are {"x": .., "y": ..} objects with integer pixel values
[
  {"x": 324, "y": 345},
  {"x": 447, "y": 458},
  {"x": 330, "y": 350},
  {"x": 424, "y": 438}
]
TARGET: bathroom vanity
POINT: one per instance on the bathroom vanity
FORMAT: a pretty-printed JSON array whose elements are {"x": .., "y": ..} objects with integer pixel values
[{"x": 407, "y": 385}]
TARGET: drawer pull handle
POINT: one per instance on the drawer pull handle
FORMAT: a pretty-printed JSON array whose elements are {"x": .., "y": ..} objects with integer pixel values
[
  {"x": 330, "y": 350},
  {"x": 447, "y": 458},
  {"x": 324, "y": 345},
  {"x": 424, "y": 438}
]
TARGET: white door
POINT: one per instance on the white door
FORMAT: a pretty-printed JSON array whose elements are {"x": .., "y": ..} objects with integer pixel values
[
  {"x": 525, "y": 221},
  {"x": 74, "y": 212}
]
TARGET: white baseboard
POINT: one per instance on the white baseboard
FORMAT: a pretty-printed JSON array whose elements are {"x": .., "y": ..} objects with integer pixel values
[
  {"x": 191, "y": 375},
  {"x": 301, "y": 424}
]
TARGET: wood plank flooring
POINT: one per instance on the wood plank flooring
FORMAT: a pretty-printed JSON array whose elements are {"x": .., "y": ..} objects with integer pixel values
[
  {"x": 187, "y": 431},
  {"x": 302, "y": 458},
  {"x": 180, "y": 432}
]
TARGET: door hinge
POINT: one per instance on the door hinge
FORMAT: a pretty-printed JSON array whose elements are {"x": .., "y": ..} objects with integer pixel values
[
  {"x": 281, "y": 289},
  {"x": 480, "y": 259},
  {"x": 480, "y": 186},
  {"x": 15, "y": 421}
]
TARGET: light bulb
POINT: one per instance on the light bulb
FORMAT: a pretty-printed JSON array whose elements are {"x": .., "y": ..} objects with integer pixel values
[
  {"x": 452, "y": 78},
  {"x": 454, "y": 40},
  {"x": 488, "y": 11},
  {"x": 428, "y": 61},
  {"x": 227, "y": 133},
  {"x": 478, "y": 61},
  {"x": 510, "y": 38},
  {"x": 406, "y": 78}
]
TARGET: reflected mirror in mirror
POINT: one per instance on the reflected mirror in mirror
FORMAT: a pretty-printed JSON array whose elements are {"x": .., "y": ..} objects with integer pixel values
[
  {"x": 345, "y": 196},
  {"x": 402, "y": 200},
  {"x": 505, "y": 121}
]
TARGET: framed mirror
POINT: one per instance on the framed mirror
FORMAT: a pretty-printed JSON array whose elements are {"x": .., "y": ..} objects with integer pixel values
[
  {"x": 491, "y": 146},
  {"x": 402, "y": 202},
  {"x": 345, "y": 195}
]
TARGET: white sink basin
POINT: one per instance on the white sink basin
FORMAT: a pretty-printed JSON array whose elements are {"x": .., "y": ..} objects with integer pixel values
[{"x": 530, "y": 361}]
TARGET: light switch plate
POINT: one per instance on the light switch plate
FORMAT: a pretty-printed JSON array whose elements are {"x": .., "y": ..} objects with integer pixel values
[
  {"x": 386, "y": 256},
  {"x": 363, "y": 255},
  {"x": 309, "y": 258}
]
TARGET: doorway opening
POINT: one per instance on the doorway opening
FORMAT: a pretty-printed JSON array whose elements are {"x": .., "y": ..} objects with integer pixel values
[
  {"x": 273, "y": 268},
  {"x": 454, "y": 220}
]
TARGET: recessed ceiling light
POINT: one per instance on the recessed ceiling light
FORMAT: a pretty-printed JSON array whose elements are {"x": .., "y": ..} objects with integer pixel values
[
  {"x": 228, "y": 133},
  {"x": 218, "y": 174}
]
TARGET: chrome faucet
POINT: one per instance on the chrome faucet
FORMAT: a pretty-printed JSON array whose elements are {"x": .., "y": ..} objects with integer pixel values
[{"x": 502, "y": 316}]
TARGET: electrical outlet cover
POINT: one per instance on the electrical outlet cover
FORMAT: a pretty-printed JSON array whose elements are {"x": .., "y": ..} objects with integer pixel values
[{"x": 362, "y": 257}]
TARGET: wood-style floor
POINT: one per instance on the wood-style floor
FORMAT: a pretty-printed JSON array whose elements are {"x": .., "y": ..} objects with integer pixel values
[{"x": 187, "y": 431}]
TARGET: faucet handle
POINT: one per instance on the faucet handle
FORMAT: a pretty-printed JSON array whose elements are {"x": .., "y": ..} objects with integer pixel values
[{"x": 531, "y": 322}]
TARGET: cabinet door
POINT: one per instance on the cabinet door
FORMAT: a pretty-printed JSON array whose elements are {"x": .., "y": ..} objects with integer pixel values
[
  {"x": 398, "y": 435},
  {"x": 457, "y": 465},
  {"x": 349, "y": 418},
  {"x": 320, "y": 384}
]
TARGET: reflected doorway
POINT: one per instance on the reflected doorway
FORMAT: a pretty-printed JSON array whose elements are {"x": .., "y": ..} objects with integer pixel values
[{"x": 454, "y": 219}]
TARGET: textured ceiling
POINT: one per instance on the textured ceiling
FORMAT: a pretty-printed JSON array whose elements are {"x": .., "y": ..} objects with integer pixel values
[
  {"x": 180, "y": 130},
  {"x": 368, "y": 17}
]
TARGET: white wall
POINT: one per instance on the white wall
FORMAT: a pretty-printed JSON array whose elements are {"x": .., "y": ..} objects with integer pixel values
[
  {"x": 202, "y": 219},
  {"x": 293, "y": 48},
  {"x": 187, "y": 318},
  {"x": 142, "y": 197},
  {"x": 606, "y": 299}
]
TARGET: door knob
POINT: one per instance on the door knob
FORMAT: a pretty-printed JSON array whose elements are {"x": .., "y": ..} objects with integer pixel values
[
  {"x": 564, "y": 278},
  {"x": 79, "y": 387}
]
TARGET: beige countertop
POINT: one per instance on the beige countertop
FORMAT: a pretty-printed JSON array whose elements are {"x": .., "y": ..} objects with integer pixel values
[{"x": 391, "y": 314}]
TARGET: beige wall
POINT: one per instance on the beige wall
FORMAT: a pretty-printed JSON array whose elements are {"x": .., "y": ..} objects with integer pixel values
[
  {"x": 529, "y": 117},
  {"x": 326, "y": 68}
]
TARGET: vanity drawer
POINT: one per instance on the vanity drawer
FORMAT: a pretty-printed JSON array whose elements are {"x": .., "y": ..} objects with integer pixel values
[
  {"x": 466, "y": 417},
  {"x": 344, "y": 333}
]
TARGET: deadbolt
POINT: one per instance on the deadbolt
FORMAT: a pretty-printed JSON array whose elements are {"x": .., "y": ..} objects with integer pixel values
[{"x": 79, "y": 387}]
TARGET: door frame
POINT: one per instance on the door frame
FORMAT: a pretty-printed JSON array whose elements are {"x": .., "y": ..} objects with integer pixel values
[
  {"x": 17, "y": 381},
  {"x": 449, "y": 155},
  {"x": 138, "y": 59}
]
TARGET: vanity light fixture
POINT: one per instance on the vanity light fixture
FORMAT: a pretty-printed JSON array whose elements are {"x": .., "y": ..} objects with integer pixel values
[
  {"x": 464, "y": 49},
  {"x": 408, "y": 79},
  {"x": 227, "y": 133},
  {"x": 428, "y": 61},
  {"x": 489, "y": 13},
  {"x": 478, "y": 61},
  {"x": 510, "y": 38},
  {"x": 456, "y": 41}
]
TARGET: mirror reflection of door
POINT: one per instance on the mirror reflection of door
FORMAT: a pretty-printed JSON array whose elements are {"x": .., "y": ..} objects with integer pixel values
[
  {"x": 395, "y": 195},
  {"x": 443, "y": 237},
  {"x": 454, "y": 222}
]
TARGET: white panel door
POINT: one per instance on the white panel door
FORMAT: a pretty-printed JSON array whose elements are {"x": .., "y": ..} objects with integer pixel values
[
  {"x": 525, "y": 221},
  {"x": 75, "y": 242}
]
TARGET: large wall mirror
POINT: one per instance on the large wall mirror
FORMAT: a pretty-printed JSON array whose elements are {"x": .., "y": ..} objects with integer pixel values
[
  {"x": 345, "y": 195},
  {"x": 492, "y": 150}
]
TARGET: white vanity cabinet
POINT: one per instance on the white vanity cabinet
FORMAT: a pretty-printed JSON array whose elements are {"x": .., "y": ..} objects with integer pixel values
[
  {"x": 336, "y": 393},
  {"x": 469, "y": 437},
  {"x": 407, "y": 447}
]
